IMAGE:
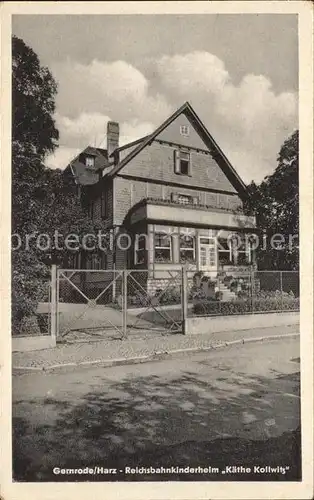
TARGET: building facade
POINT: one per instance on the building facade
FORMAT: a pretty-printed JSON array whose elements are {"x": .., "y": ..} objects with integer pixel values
[{"x": 171, "y": 198}]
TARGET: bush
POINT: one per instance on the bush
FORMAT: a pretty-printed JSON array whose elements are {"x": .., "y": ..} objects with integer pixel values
[
  {"x": 206, "y": 307},
  {"x": 29, "y": 286},
  {"x": 170, "y": 296}
]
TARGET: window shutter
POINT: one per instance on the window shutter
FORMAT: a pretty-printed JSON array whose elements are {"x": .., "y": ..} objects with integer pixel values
[
  {"x": 190, "y": 163},
  {"x": 174, "y": 197},
  {"x": 177, "y": 161},
  {"x": 195, "y": 200}
]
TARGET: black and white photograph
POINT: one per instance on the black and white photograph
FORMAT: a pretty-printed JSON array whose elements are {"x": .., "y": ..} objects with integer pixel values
[{"x": 154, "y": 248}]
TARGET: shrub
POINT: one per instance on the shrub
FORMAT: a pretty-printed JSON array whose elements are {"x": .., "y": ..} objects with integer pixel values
[
  {"x": 29, "y": 286},
  {"x": 228, "y": 279},
  {"x": 245, "y": 306},
  {"x": 197, "y": 277},
  {"x": 196, "y": 294},
  {"x": 171, "y": 296}
]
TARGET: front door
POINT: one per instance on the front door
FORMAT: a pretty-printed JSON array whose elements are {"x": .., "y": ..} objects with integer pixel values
[{"x": 208, "y": 255}]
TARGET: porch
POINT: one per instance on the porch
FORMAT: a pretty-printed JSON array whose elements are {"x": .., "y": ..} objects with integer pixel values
[{"x": 167, "y": 235}]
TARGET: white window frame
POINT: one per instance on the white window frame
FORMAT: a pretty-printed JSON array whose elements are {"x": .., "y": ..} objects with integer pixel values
[
  {"x": 247, "y": 252},
  {"x": 165, "y": 235},
  {"x": 185, "y": 130},
  {"x": 179, "y": 157},
  {"x": 90, "y": 161},
  {"x": 187, "y": 197},
  {"x": 208, "y": 250},
  {"x": 193, "y": 249},
  {"x": 228, "y": 251}
]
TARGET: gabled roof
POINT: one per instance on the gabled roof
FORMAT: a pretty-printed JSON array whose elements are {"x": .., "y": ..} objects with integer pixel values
[
  {"x": 218, "y": 154},
  {"x": 130, "y": 144}
]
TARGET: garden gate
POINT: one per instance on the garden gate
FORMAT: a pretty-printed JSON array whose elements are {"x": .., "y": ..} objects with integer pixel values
[{"x": 107, "y": 303}]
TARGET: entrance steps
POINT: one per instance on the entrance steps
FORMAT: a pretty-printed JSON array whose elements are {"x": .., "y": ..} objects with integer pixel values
[{"x": 227, "y": 294}]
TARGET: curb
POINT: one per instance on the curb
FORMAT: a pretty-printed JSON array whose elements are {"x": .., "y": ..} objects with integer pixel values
[{"x": 156, "y": 356}]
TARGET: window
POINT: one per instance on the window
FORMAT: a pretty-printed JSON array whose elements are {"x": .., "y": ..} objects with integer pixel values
[
  {"x": 184, "y": 199},
  {"x": 187, "y": 248},
  {"x": 203, "y": 257},
  {"x": 96, "y": 261},
  {"x": 162, "y": 247},
  {"x": 225, "y": 251},
  {"x": 104, "y": 205},
  {"x": 140, "y": 250},
  {"x": 244, "y": 254},
  {"x": 234, "y": 251},
  {"x": 73, "y": 261},
  {"x": 185, "y": 130},
  {"x": 90, "y": 161},
  {"x": 182, "y": 162}
]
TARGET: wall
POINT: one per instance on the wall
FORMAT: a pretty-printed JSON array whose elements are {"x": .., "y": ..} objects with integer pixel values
[
  {"x": 156, "y": 162},
  {"x": 172, "y": 134},
  {"x": 32, "y": 343},
  {"x": 128, "y": 192},
  {"x": 107, "y": 191},
  {"x": 215, "y": 324}
]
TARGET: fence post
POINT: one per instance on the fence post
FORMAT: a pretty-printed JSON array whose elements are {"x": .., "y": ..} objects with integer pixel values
[
  {"x": 114, "y": 283},
  {"x": 184, "y": 298},
  {"x": 54, "y": 305},
  {"x": 281, "y": 290},
  {"x": 252, "y": 288},
  {"x": 125, "y": 301}
]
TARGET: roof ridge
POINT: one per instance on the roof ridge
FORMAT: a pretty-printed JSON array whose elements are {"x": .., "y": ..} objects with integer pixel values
[
  {"x": 224, "y": 164},
  {"x": 129, "y": 144}
]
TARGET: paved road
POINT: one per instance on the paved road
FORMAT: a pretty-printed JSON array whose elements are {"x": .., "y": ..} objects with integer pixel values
[{"x": 238, "y": 405}]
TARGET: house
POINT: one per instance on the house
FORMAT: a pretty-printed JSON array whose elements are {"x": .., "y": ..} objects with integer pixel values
[{"x": 166, "y": 196}]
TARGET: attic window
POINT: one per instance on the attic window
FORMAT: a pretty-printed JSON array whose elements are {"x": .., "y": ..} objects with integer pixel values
[
  {"x": 184, "y": 199},
  {"x": 90, "y": 161},
  {"x": 184, "y": 130}
]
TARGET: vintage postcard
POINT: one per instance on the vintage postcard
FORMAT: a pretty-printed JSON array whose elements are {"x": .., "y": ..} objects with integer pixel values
[{"x": 157, "y": 250}]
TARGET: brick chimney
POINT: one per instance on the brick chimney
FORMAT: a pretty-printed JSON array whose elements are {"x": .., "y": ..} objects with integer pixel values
[{"x": 112, "y": 137}]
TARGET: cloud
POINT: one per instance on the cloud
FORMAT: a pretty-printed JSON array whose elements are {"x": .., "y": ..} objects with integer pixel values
[
  {"x": 134, "y": 130},
  {"x": 193, "y": 72},
  {"x": 91, "y": 128},
  {"x": 62, "y": 157},
  {"x": 117, "y": 89},
  {"x": 247, "y": 118},
  {"x": 85, "y": 129}
]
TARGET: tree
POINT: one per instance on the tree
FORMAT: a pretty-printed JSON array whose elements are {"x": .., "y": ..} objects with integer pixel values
[
  {"x": 43, "y": 200},
  {"x": 33, "y": 96},
  {"x": 276, "y": 205}
]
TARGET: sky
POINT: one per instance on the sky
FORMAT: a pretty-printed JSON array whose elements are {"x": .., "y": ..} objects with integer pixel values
[{"x": 238, "y": 71}]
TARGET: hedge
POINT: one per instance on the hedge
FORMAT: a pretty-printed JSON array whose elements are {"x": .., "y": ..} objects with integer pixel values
[{"x": 211, "y": 307}]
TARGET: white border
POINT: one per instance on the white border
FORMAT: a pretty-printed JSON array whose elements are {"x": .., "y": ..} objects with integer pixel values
[{"x": 169, "y": 490}]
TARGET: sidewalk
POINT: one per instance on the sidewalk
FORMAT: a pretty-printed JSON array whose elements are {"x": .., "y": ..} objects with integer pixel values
[{"x": 110, "y": 352}]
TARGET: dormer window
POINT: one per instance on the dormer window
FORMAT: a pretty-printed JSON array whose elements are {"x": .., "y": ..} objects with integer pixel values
[
  {"x": 184, "y": 130},
  {"x": 89, "y": 161}
]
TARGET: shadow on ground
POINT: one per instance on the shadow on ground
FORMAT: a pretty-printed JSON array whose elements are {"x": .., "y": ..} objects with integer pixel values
[{"x": 146, "y": 421}]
